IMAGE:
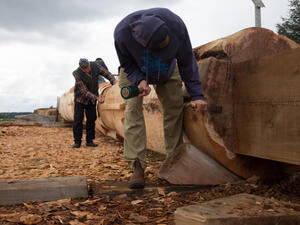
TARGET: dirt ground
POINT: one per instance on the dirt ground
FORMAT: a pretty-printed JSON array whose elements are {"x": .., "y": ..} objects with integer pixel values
[{"x": 35, "y": 152}]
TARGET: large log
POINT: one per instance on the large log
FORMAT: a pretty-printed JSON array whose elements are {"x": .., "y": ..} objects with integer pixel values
[
  {"x": 66, "y": 106},
  {"x": 110, "y": 115},
  {"x": 215, "y": 61},
  {"x": 216, "y": 134}
]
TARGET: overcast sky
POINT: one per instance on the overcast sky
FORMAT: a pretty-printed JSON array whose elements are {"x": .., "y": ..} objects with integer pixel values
[{"x": 41, "y": 41}]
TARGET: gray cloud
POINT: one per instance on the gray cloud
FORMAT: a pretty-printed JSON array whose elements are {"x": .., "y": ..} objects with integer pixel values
[
  {"x": 43, "y": 14},
  {"x": 46, "y": 21},
  {"x": 57, "y": 33}
]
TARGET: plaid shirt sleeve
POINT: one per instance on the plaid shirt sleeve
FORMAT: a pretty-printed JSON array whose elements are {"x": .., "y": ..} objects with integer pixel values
[
  {"x": 84, "y": 91},
  {"x": 104, "y": 72}
]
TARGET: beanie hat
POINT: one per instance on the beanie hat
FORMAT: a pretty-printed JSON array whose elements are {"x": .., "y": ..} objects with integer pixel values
[
  {"x": 144, "y": 28},
  {"x": 158, "y": 37},
  {"x": 84, "y": 63}
]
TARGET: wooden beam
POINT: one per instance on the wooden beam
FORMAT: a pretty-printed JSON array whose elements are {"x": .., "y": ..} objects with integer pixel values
[
  {"x": 42, "y": 189},
  {"x": 241, "y": 209}
]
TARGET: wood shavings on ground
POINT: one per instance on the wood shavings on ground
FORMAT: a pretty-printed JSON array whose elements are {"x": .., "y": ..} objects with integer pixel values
[{"x": 36, "y": 152}]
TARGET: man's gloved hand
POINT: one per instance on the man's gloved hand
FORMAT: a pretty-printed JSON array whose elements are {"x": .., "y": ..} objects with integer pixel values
[
  {"x": 199, "y": 105},
  {"x": 145, "y": 87}
]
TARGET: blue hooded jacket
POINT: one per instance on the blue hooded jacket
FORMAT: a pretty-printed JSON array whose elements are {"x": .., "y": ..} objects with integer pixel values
[{"x": 132, "y": 37}]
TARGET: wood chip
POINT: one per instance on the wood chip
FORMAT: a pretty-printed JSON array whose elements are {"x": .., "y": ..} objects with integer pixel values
[
  {"x": 161, "y": 191},
  {"x": 136, "y": 202},
  {"x": 79, "y": 214},
  {"x": 138, "y": 218},
  {"x": 30, "y": 219},
  {"x": 76, "y": 222}
]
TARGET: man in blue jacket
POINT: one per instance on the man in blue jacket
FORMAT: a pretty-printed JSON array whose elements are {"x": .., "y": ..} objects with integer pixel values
[{"x": 153, "y": 47}]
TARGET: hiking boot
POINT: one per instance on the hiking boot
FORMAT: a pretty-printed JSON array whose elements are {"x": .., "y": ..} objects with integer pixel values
[
  {"x": 76, "y": 145},
  {"x": 137, "y": 178},
  {"x": 91, "y": 144}
]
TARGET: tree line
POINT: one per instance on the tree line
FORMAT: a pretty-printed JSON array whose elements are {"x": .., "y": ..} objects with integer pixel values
[{"x": 290, "y": 26}]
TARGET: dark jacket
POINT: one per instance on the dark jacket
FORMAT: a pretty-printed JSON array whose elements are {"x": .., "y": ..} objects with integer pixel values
[
  {"x": 86, "y": 86},
  {"x": 156, "y": 66},
  {"x": 91, "y": 82}
]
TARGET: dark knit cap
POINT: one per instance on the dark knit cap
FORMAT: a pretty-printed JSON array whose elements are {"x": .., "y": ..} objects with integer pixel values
[
  {"x": 158, "y": 37},
  {"x": 83, "y": 63}
]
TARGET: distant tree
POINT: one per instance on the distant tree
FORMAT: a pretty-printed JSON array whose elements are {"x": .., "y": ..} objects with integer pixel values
[{"x": 290, "y": 27}]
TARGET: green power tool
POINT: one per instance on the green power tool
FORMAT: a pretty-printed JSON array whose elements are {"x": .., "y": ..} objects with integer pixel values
[{"x": 130, "y": 91}]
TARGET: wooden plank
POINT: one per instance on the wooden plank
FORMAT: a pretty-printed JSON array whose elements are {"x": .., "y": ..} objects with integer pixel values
[
  {"x": 266, "y": 107},
  {"x": 57, "y": 124},
  {"x": 42, "y": 189},
  {"x": 241, "y": 209},
  {"x": 19, "y": 123},
  {"x": 36, "y": 124}
]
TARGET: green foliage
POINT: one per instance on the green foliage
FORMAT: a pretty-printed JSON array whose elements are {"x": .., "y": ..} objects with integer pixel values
[
  {"x": 290, "y": 27},
  {"x": 5, "y": 119}
]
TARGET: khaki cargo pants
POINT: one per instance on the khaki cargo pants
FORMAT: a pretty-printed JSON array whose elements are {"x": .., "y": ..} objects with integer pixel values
[{"x": 171, "y": 97}]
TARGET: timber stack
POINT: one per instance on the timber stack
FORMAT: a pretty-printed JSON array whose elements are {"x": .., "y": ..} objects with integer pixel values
[{"x": 254, "y": 75}]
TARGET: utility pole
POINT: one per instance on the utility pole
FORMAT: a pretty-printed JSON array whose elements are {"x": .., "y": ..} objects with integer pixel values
[{"x": 258, "y": 4}]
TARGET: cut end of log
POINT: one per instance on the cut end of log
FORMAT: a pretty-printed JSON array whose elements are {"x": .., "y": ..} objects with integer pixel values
[{"x": 188, "y": 165}]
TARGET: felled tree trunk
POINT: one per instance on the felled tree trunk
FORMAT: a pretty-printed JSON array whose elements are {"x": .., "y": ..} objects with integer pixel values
[
  {"x": 110, "y": 119},
  {"x": 66, "y": 106},
  {"x": 215, "y": 61},
  {"x": 110, "y": 115},
  {"x": 218, "y": 135}
]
